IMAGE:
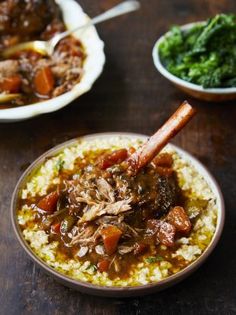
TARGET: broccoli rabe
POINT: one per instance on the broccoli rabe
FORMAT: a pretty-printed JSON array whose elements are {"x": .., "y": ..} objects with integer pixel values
[{"x": 204, "y": 54}]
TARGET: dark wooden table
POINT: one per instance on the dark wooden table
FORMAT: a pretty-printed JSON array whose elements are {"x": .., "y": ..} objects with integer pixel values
[{"x": 129, "y": 96}]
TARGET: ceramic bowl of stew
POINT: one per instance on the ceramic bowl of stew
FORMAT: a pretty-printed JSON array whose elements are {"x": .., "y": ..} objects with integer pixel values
[
  {"x": 159, "y": 279},
  {"x": 93, "y": 49}
]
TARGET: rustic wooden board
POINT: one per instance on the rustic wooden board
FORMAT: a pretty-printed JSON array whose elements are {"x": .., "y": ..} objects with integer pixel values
[{"x": 129, "y": 96}]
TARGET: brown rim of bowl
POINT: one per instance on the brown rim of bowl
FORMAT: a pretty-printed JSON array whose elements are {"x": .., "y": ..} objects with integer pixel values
[{"x": 111, "y": 291}]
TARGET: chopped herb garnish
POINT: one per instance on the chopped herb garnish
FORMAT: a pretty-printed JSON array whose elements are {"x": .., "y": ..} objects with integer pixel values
[
  {"x": 154, "y": 259},
  {"x": 92, "y": 267},
  {"x": 205, "y": 54},
  {"x": 63, "y": 226},
  {"x": 59, "y": 165}
]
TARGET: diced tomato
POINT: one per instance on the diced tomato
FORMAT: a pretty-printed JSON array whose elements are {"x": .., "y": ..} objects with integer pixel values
[
  {"x": 49, "y": 203},
  {"x": 140, "y": 248},
  {"x": 166, "y": 234},
  {"x": 115, "y": 157},
  {"x": 44, "y": 81},
  {"x": 55, "y": 228},
  {"x": 153, "y": 226},
  {"x": 163, "y": 159},
  {"x": 164, "y": 171},
  {"x": 111, "y": 236},
  {"x": 103, "y": 265},
  {"x": 11, "y": 84},
  {"x": 163, "y": 163},
  {"x": 179, "y": 218},
  {"x": 131, "y": 150},
  {"x": 163, "y": 231}
]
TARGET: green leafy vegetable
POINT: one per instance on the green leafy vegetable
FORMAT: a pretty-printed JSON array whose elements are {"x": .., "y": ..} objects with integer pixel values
[
  {"x": 205, "y": 54},
  {"x": 59, "y": 165},
  {"x": 92, "y": 267},
  {"x": 154, "y": 259}
]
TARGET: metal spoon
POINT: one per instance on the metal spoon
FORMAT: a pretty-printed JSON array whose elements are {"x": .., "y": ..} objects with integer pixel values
[{"x": 47, "y": 47}]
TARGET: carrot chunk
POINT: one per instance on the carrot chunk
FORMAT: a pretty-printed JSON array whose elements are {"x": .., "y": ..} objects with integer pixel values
[
  {"x": 140, "y": 248},
  {"x": 115, "y": 157},
  {"x": 131, "y": 150},
  {"x": 44, "y": 81},
  {"x": 164, "y": 231},
  {"x": 103, "y": 265},
  {"x": 111, "y": 236},
  {"x": 55, "y": 228},
  {"x": 166, "y": 234},
  {"x": 179, "y": 218},
  {"x": 11, "y": 84},
  {"x": 164, "y": 171},
  {"x": 49, "y": 203},
  {"x": 163, "y": 160}
]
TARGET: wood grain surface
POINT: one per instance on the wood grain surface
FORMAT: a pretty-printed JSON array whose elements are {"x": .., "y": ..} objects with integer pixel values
[{"x": 129, "y": 96}]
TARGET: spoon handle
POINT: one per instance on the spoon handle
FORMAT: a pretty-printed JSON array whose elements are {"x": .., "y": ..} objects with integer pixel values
[{"x": 122, "y": 8}]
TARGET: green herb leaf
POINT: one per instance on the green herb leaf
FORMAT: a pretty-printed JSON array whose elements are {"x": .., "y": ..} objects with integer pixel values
[
  {"x": 59, "y": 165},
  {"x": 92, "y": 267},
  {"x": 154, "y": 259},
  {"x": 67, "y": 224}
]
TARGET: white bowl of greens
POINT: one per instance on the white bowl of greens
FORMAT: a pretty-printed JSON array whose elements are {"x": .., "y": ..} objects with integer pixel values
[{"x": 200, "y": 58}]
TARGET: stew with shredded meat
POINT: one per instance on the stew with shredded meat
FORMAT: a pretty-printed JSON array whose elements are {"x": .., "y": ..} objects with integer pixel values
[
  {"x": 101, "y": 213},
  {"x": 33, "y": 76}
]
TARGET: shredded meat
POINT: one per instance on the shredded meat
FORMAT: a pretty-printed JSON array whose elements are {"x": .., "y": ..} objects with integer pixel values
[
  {"x": 105, "y": 190},
  {"x": 85, "y": 236},
  {"x": 112, "y": 219},
  {"x": 113, "y": 198},
  {"x": 98, "y": 210},
  {"x": 125, "y": 249},
  {"x": 9, "y": 68},
  {"x": 97, "y": 197}
]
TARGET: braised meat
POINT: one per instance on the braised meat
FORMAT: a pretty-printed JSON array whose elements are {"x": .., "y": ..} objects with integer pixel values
[
  {"x": 103, "y": 212},
  {"x": 22, "y": 18},
  {"x": 32, "y": 76},
  {"x": 117, "y": 208}
]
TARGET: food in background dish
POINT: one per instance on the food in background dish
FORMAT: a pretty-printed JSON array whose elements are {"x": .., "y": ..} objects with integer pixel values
[
  {"x": 33, "y": 76},
  {"x": 204, "y": 54}
]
